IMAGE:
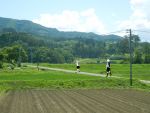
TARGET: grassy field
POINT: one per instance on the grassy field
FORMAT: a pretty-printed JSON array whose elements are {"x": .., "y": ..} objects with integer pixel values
[
  {"x": 28, "y": 78},
  {"x": 140, "y": 71},
  {"x": 97, "y": 60}
]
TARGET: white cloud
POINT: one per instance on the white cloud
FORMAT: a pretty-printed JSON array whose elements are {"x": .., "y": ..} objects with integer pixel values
[
  {"x": 85, "y": 21},
  {"x": 140, "y": 17}
]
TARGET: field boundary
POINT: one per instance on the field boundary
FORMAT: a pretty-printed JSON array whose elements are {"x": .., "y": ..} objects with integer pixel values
[
  {"x": 84, "y": 73},
  {"x": 69, "y": 71}
]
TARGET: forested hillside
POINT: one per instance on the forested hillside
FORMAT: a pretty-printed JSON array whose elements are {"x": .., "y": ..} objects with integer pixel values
[
  {"x": 11, "y": 25},
  {"x": 22, "y": 41},
  {"x": 28, "y": 48}
]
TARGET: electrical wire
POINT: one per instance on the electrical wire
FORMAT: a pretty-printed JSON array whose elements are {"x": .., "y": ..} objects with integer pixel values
[
  {"x": 142, "y": 31},
  {"x": 109, "y": 33}
]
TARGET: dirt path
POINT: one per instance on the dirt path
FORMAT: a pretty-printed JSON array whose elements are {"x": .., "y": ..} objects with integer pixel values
[
  {"x": 84, "y": 73},
  {"x": 70, "y": 71},
  {"x": 76, "y": 101}
]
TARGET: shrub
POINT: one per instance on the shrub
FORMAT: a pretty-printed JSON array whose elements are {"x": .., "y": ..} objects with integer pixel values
[{"x": 1, "y": 64}]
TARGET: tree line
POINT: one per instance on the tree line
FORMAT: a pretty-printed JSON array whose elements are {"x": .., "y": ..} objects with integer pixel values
[{"x": 22, "y": 47}]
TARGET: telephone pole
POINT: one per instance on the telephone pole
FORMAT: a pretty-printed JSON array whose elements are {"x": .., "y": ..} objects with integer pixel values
[
  {"x": 131, "y": 57},
  {"x": 19, "y": 59}
]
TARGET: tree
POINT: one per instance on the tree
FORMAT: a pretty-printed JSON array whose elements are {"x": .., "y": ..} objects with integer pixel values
[
  {"x": 123, "y": 45},
  {"x": 147, "y": 58},
  {"x": 138, "y": 57},
  {"x": 8, "y": 30},
  {"x": 15, "y": 53},
  {"x": 1, "y": 60},
  {"x": 146, "y": 52},
  {"x": 67, "y": 54},
  {"x": 135, "y": 40}
]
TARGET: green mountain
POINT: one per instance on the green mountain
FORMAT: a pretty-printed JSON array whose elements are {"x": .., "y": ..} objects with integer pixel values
[{"x": 7, "y": 24}]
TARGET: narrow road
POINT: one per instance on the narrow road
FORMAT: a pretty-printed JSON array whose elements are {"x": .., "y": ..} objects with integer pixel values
[
  {"x": 84, "y": 73},
  {"x": 69, "y": 71}
]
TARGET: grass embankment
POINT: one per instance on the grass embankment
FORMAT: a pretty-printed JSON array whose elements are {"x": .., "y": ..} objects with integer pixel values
[
  {"x": 140, "y": 71},
  {"x": 32, "y": 78}
]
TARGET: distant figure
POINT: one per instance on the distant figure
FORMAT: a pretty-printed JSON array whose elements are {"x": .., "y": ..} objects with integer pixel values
[
  {"x": 108, "y": 69},
  {"x": 78, "y": 66}
]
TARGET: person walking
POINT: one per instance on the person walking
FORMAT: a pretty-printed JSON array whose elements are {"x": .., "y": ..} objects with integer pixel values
[
  {"x": 77, "y": 66},
  {"x": 108, "y": 69}
]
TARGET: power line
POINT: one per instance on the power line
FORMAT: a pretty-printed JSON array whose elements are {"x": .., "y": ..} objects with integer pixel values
[
  {"x": 109, "y": 33},
  {"x": 142, "y": 31},
  {"x": 124, "y": 30}
]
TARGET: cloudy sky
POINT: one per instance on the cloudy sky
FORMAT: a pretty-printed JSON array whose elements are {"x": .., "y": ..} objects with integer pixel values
[{"x": 98, "y": 16}]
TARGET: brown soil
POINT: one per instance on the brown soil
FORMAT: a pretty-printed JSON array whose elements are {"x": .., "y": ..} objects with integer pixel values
[{"x": 76, "y": 101}]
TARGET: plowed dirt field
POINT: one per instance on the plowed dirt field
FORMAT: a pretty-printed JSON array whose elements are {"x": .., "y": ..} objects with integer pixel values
[{"x": 75, "y": 101}]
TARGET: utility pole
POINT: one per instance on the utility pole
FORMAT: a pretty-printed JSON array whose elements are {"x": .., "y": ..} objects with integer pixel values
[
  {"x": 19, "y": 60},
  {"x": 131, "y": 57}
]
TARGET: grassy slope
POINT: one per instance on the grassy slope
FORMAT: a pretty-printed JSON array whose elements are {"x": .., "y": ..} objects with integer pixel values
[
  {"x": 31, "y": 78},
  {"x": 140, "y": 71}
]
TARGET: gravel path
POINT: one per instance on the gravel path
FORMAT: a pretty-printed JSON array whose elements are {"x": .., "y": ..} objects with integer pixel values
[{"x": 84, "y": 73}]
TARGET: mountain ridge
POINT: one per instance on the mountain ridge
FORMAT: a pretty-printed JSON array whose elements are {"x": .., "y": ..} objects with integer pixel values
[{"x": 30, "y": 27}]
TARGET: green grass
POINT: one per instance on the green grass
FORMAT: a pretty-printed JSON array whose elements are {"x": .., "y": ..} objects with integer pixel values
[
  {"x": 89, "y": 60},
  {"x": 33, "y": 74},
  {"x": 140, "y": 71},
  {"x": 32, "y": 78}
]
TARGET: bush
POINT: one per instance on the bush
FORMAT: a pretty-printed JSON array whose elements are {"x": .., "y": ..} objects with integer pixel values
[
  {"x": 12, "y": 67},
  {"x": 1, "y": 64},
  {"x": 147, "y": 59},
  {"x": 117, "y": 57}
]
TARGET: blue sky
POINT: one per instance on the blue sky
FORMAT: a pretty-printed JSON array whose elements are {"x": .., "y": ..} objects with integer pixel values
[{"x": 99, "y": 16}]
